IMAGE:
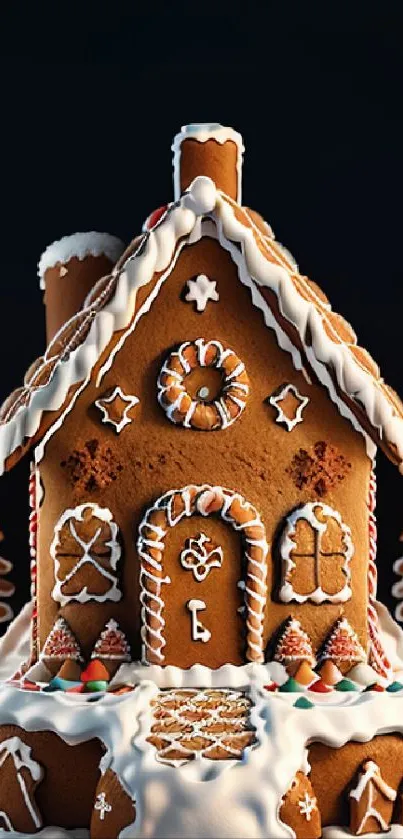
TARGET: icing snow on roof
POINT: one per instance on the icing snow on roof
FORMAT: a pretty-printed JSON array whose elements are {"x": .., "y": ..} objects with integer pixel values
[
  {"x": 294, "y": 307},
  {"x": 79, "y": 245}
]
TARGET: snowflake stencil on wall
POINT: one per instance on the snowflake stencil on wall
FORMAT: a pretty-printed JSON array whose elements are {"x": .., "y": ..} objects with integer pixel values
[
  {"x": 201, "y": 290},
  {"x": 289, "y": 404},
  {"x": 116, "y": 408}
]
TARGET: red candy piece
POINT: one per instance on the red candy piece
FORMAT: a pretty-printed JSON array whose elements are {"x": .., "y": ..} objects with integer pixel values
[
  {"x": 76, "y": 689},
  {"x": 155, "y": 217},
  {"x": 27, "y": 685},
  {"x": 95, "y": 672},
  {"x": 320, "y": 687},
  {"x": 272, "y": 687}
]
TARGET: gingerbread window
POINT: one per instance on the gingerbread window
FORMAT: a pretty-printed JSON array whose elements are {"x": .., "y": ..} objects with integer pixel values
[
  {"x": 316, "y": 550},
  {"x": 86, "y": 552}
]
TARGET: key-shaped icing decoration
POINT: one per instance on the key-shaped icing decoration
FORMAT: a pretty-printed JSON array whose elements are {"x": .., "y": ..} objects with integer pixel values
[{"x": 199, "y": 632}]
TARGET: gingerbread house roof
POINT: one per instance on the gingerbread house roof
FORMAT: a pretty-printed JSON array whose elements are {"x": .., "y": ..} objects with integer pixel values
[{"x": 317, "y": 338}]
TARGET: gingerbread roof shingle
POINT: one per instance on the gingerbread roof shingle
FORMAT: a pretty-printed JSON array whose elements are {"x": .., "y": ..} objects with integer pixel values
[{"x": 317, "y": 338}]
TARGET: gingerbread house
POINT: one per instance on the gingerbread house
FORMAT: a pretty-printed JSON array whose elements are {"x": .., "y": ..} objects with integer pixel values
[{"x": 203, "y": 428}]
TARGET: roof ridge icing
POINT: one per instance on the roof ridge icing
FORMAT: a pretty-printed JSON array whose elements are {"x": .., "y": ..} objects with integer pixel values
[{"x": 304, "y": 323}]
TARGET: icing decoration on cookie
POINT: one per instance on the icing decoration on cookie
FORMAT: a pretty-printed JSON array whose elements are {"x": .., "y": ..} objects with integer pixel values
[
  {"x": 7, "y": 589},
  {"x": 28, "y": 775},
  {"x": 289, "y": 404},
  {"x": 61, "y": 643},
  {"x": 307, "y": 806},
  {"x": 200, "y": 556},
  {"x": 311, "y": 532},
  {"x": 86, "y": 536},
  {"x": 371, "y": 801},
  {"x": 377, "y": 657},
  {"x": 211, "y": 723},
  {"x": 397, "y": 589},
  {"x": 343, "y": 644},
  {"x": 167, "y": 512},
  {"x": 112, "y": 644},
  {"x": 79, "y": 246},
  {"x": 199, "y": 632},
  {"x": 201, "y": 290},
  {"x": 102, "y": 806},
  {"x": 116, "y": 408},
  {"x": 294, "y": 645},
  {"x": 183, "y": 409}
]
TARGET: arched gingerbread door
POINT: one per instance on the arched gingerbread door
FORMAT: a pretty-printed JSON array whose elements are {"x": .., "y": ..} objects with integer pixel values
[{"x": 203, "y": 569}]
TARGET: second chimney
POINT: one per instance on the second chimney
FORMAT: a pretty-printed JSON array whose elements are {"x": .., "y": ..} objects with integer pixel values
[
  {"x": 212, "y": 150},
  {"x": 69, "y": 269}
]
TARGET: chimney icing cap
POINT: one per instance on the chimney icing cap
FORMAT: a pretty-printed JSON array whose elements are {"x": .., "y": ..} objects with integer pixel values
[{"x": 214, "y": 151}]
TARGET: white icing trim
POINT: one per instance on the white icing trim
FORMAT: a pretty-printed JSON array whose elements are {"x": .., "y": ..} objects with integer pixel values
[
  {"x": 102, "y": 805},
  {"x": 276, "y": 401},
  {"x": 159, "y": 253},
  {"x": 77, "y": 514},
  {"x": 287, "y": 545},
  {"x": 202, "y": 132},
  {"x": 103, "y": 403},
  {"x": 79, "y": 245}
]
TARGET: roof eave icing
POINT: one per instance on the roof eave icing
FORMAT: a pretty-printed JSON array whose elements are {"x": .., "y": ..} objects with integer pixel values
[{"x": 260, "y": 265}]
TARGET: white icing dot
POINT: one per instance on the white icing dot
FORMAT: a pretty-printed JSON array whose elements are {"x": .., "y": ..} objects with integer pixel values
[
  {"x": 203, "y": 393},
  {"x": 203, "y": 194}
]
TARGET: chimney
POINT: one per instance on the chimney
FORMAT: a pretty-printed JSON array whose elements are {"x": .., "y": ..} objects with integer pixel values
[
  {"x": 68, "y": 270},
  {"x": 212, "y": 150}
]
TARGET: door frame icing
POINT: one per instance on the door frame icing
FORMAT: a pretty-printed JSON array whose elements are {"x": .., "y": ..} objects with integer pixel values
[{"x": 167, "y": 512}]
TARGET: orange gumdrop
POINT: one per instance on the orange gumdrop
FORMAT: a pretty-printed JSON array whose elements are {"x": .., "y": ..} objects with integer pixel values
[{"x": 95, "y": 672}]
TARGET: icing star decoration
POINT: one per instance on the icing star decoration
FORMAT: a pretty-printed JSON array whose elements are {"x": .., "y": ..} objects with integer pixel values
[
  {"x": 201, "y": 290},
  {"x": 307, "y": 806},
  {"x": 289, "y": 404},
  {"x": 116, "y": 408}
]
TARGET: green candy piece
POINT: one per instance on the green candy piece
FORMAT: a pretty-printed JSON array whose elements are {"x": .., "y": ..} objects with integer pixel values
[
  {"x": 394, "y": 687},
  {"x": 96, "y": 687},
  {"x": 290, "y": 686},
  {"x": 303, "y": 702},
  {"x": 346, "y": 685}
]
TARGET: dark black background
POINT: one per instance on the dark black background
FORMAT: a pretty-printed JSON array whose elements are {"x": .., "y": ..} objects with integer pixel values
[{"x": 91, "y": 97}]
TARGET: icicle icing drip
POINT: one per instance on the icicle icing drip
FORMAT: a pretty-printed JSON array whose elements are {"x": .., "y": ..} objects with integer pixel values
[{"x": 376, "y": 654}]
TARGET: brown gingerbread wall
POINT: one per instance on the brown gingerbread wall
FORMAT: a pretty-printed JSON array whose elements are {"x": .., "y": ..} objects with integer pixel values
[
  {"x": 334, "y": 772},
  {"x": 66, "y": 793},
  {"x": 252, "y": 456}
]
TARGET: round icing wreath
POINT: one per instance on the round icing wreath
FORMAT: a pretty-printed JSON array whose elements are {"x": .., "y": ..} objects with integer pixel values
[{"x": 200, "y": 413}]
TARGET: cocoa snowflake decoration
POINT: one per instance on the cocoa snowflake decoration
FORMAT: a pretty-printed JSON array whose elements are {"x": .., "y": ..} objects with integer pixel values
[
  {"x": 200, "y": 556},
  {"x": 116, "y": 408},
  {"x": 289, "y": 404}
]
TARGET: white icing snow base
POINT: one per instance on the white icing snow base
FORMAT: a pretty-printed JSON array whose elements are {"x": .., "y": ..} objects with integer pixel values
[{"x": 186, "y": 802}]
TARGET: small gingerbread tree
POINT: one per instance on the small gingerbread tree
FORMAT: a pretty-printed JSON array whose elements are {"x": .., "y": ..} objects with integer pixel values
[
  {"x": 7, "y": 589},
  {"x": 61, "y": 644},
  {"x": 397, "y": 588},
  {"x": 294, "y": 645},
  {"x": 343, "y": 645},
  {"x": 112, "y": 644},
  {"x": 371, "y": 801}
]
